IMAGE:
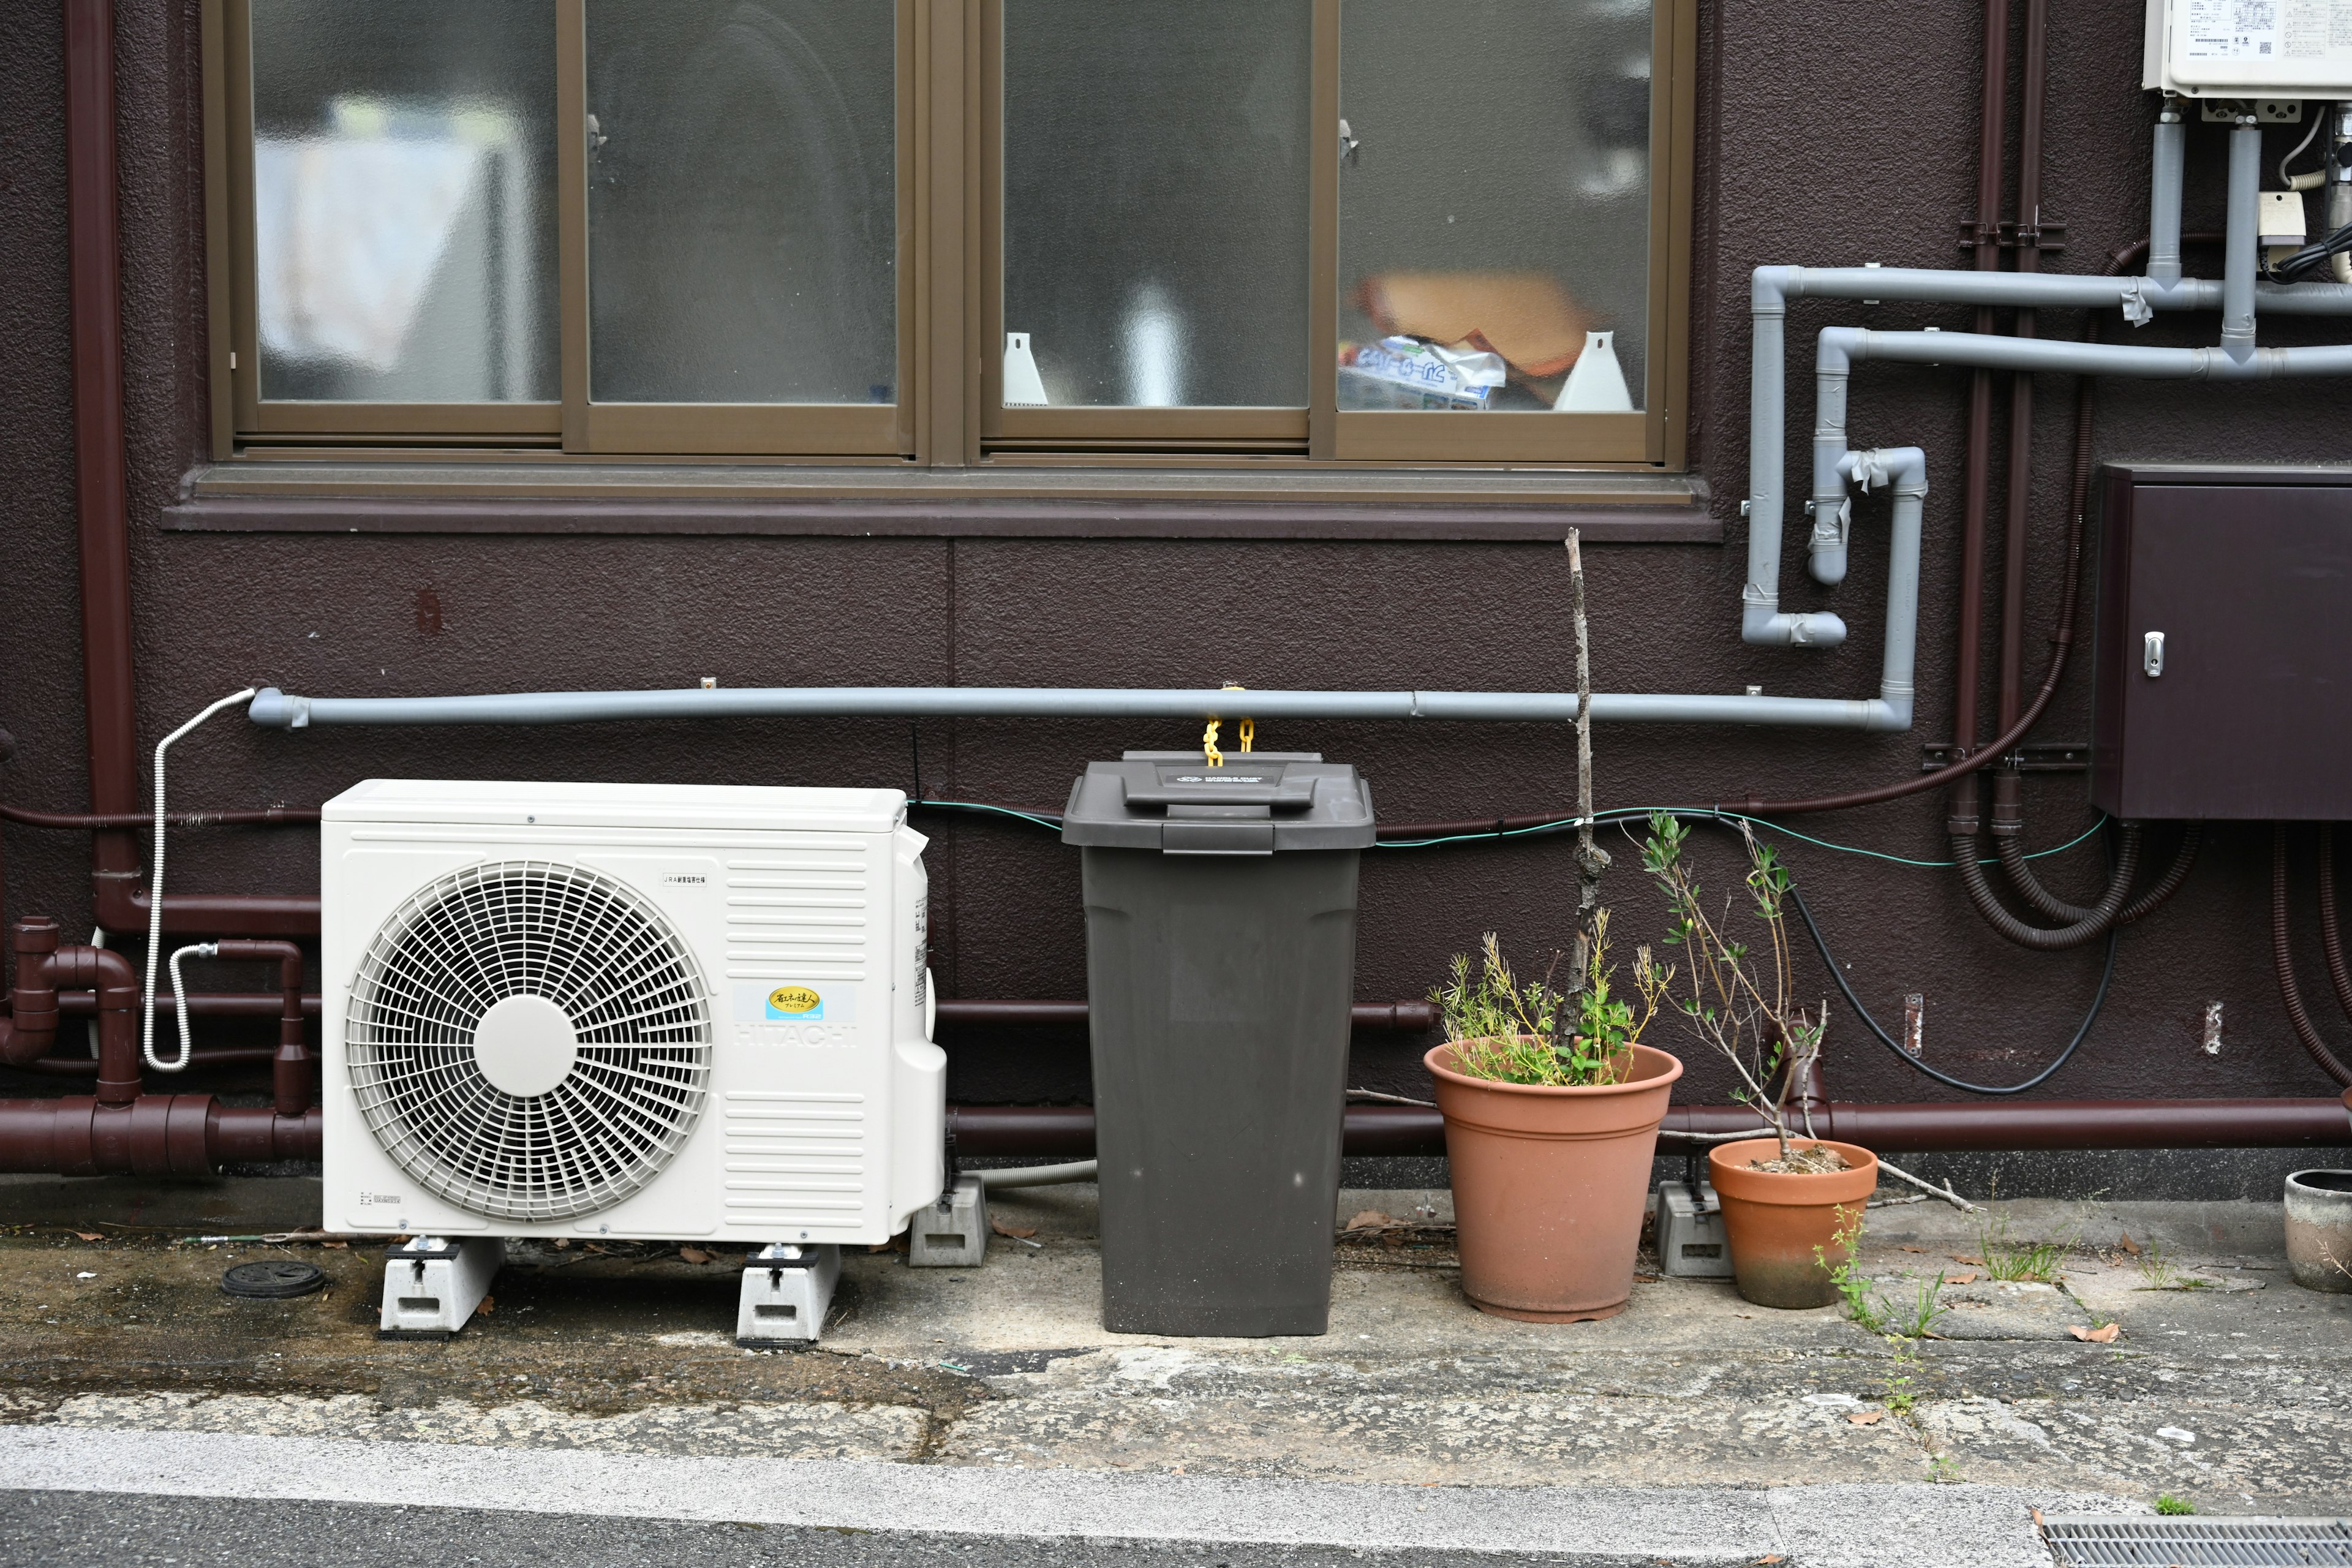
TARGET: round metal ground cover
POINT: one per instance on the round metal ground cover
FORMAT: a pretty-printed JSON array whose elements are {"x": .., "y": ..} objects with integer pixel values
[{"x": 277, "y": 1279}]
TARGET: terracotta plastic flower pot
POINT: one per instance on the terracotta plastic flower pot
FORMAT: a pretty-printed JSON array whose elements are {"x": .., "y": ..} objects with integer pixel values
[
  {"x": 1783, "y": 1228},
  {"x": 1548, "y": 1186}
]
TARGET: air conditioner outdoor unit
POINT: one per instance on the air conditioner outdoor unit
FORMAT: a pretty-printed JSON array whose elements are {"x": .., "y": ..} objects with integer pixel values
[{"x": 625, "y": 1011}]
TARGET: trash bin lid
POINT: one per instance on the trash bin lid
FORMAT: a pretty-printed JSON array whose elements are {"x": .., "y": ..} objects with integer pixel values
[{"x": 1256, "y": 803}]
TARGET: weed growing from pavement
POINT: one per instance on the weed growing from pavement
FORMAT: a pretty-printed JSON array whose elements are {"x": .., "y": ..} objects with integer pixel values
[
  {"x": 2167, "y": 1503},
  {"x": 1942, "y": 1469},
  {"x": 2007, "y": 1258},
  {"x": 1872, "y": 1309},
  {"x": 2158, "y": 1272},
  {"x": 1900, "y": 1398}
]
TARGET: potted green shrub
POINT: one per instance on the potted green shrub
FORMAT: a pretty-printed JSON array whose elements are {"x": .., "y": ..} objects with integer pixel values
[
  {"x": 1792, "y": 1205},
  {"x": 1551, "y": 1105}
]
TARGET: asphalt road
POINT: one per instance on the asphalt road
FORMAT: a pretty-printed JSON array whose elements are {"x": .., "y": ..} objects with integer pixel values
[{"x": 116, "y": 1530}]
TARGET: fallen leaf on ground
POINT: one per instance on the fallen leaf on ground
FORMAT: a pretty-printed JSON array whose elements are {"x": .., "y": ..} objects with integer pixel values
[
  {"x": 1959, "y": 1278},
  {"x": 1865, "y": 1418},
  {"x": 1775, "y": 1557},
  {"x": 1959, "y": 1258},
  {"x": 2105, "y": 1336},
  {"x": 489, "y": 1304},
  {"x": 2127, "y": 1243},
  {"x": 1368, "y": 1217},
  {"x": 694, "y": 1254},
  {"x": 1908, "y": 1247},
  {"x": 89, "y": 1235},
  {"x": 1017, "y": 1232}
]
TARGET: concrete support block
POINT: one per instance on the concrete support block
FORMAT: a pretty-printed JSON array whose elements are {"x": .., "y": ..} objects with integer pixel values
[
  {"x": 953, "y": 1232},
  {"x": 787, "y": 1289},
  {"x": 432, "y": 1285}
]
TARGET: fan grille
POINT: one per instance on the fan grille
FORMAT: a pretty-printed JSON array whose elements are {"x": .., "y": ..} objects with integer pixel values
[{"x": 630, "y": 986}]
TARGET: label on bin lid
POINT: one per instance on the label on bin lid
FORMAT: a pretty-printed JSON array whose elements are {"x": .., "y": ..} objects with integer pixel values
[{"x": 1184, "y": 785}]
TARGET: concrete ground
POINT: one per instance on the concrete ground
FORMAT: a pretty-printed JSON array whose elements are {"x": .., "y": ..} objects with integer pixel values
[{"x": 600, "y": 1412}]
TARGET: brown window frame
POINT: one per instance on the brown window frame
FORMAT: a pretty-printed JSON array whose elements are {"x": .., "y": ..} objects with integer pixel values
[{"x": 951, "y": 274}]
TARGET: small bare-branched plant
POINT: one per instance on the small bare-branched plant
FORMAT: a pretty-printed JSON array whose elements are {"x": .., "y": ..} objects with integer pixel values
[
  {"x": 1507, "y": 1032},
  {"x": 1727, "y": 1001}
]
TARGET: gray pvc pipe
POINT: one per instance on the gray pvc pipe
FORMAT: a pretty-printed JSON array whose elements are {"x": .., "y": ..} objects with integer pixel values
[
  {"x": 2164, "y": 198},
  {"x": 2244, "y": 232},
  {"x": 278, "y": 709},
  {"x": 1842, "y": 347}
]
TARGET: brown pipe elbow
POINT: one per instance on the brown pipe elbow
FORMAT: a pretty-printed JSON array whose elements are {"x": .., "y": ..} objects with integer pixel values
[
  {"x": 109, "y": 974},
  {"x": 291, "y": 1068}
]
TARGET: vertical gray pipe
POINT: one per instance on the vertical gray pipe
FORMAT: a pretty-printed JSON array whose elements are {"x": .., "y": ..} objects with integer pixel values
[
  {"x": 1831, "y": 513},
  {"x": 1762, "y": 621},
  {"x": 2164, "y": 195},
  {"x": 1910, "y": 467},
  {"x": 1767, "y": 456},
  {"x": 2245, "y": 234}
]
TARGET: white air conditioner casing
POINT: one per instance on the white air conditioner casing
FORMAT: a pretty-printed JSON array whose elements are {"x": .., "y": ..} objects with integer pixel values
[
  {"x": 668, "y": 1012},
  {"x": 2249, "y": 48}
]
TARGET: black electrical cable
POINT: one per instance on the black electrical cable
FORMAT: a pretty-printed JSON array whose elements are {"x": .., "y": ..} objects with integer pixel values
[
  {"x": 2098, "y": 1001},
  {"x": 2082, "y": 1031}
]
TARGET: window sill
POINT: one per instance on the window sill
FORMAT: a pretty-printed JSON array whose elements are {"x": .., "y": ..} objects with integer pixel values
[{"x": 535, "y": 495}]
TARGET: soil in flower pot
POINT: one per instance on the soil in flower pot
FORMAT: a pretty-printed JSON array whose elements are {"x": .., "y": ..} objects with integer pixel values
[
  {"x": 1785, "y": 1223},
  {"x": 1550, "y": 1184}
]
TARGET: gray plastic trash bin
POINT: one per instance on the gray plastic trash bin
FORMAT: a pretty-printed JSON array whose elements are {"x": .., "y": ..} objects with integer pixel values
[{"x": 1221, "y": 956}]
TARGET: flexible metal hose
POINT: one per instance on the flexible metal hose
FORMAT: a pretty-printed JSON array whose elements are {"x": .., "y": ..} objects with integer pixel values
[
  {"x": 2011, "y": 850},
  {"x": 2283, "y": 958},
  {"x": 2100, "y": 916},
  {"x": 2330, "y": 935}
]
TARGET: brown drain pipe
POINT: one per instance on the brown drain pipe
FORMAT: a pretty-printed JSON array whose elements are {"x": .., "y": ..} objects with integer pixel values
[
  {"x": 119, "y": 1128},
  {"x": 110, "y": 695},
  {"x": 1068, "y": 1131}
]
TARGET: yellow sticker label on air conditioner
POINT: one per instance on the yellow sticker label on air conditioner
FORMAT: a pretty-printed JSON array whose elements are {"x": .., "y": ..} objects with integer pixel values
[{"x": 798, "y": 1004}]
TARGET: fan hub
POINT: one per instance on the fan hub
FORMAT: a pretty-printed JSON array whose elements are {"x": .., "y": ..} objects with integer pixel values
[{"x": 525, "y": 1045}]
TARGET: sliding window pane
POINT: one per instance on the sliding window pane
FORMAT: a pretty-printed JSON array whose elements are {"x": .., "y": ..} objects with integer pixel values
[
  {"x": 404, "y": 197},
  {"x": 742, "y": 209},
  {"x": 1156, "y": 203},
  {"x": 1495, "y": 204}
]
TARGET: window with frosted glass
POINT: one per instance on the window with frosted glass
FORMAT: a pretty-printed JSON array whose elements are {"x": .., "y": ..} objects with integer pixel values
[
  {"x": 403, "y": 200},
  {"x": 742, "y": 222},
  {"x": 1495, "y": 204},
  {"x": 1156, "y": 208}
]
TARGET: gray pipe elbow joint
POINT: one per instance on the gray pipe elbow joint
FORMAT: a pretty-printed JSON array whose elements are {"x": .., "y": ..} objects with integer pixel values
[
  {"x": 274, "y": 708},
  {"x": 1768, "y": 288}
]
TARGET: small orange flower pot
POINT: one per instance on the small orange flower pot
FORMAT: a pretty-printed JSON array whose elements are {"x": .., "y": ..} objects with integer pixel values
[{"x": 1783, "y": 1228}]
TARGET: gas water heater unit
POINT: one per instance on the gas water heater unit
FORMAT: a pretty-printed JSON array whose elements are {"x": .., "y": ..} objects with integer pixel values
[
  {"x": 2260, "y": 50},
  {"x": 625, "y": 1010}
]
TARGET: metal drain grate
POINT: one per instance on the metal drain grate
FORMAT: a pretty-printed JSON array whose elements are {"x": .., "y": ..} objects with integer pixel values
[{"x": 2110, "y": 1541}]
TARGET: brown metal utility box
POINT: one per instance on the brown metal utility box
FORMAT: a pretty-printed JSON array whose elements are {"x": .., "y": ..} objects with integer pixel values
[{"x": 2224, "y": 644}]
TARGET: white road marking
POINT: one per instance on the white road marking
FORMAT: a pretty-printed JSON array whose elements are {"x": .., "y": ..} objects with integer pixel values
[{"x": 1831, "y": 1525}]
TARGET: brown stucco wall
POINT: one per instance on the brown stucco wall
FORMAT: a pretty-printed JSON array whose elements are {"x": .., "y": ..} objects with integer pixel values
[{"x": 1829, "y": 134}]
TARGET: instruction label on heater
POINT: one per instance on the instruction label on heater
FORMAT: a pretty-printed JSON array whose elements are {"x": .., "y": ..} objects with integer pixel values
[{"x": 2266, "y": 29}]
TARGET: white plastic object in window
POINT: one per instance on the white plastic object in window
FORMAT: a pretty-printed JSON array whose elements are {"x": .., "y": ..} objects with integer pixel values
[
  {"x": 1597, "y": 383},
  {"x": 1023, "y": 388}
]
